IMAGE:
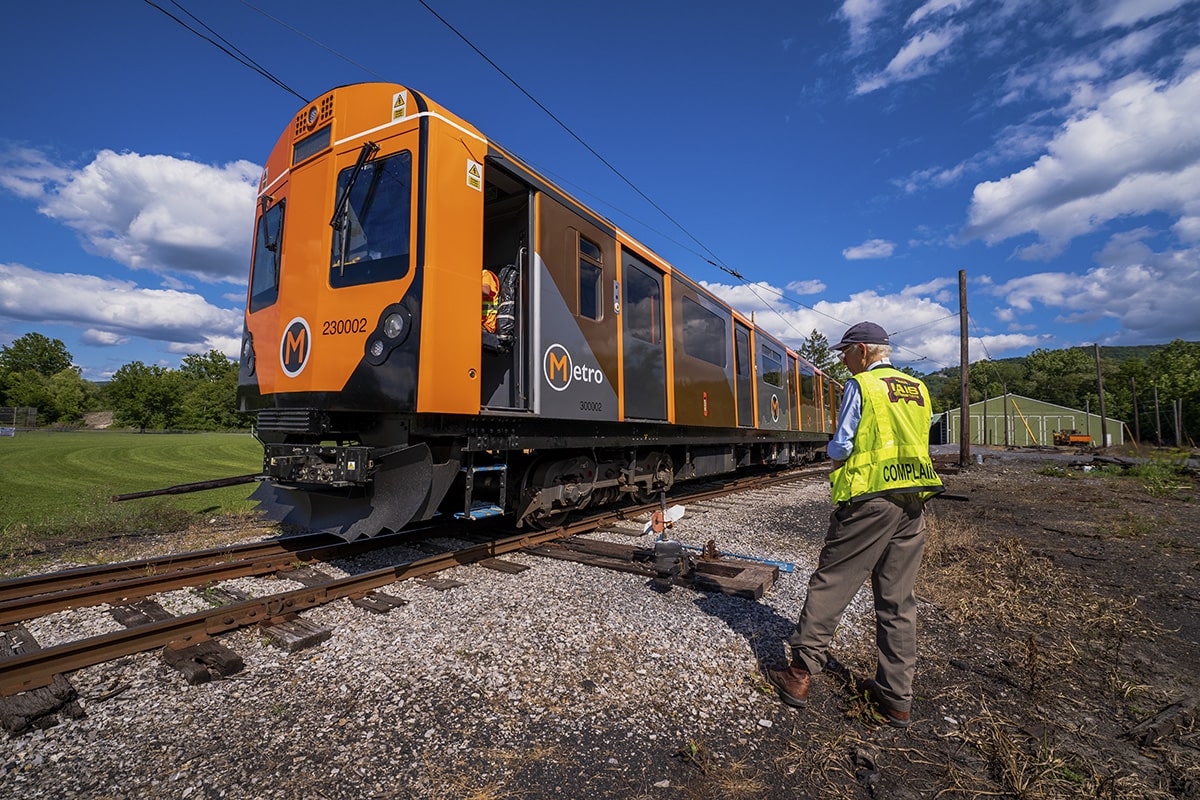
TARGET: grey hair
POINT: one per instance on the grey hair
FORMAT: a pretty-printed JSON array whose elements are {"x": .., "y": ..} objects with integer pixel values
[{"x": 878, "y": 351}]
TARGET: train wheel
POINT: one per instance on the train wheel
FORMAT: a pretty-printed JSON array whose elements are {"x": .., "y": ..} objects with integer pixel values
[
  {"x": 662, "y": 470},
  {"x": 575, "y": 475}
]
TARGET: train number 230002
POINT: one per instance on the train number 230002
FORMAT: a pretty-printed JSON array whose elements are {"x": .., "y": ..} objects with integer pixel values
[{"x": 333, "y": 327}]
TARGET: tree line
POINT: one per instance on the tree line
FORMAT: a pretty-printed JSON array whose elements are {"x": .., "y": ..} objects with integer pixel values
[
  {"x": 200, "y": 395},
  {"x": 1068, "y": 378}
]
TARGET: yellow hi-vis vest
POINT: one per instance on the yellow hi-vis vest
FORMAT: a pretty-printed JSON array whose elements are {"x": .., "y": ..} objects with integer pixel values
[{"x": 891, "y": 447}]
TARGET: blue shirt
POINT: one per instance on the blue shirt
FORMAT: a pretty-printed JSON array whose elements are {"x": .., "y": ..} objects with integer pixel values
[{"x": 842, "y": 444}]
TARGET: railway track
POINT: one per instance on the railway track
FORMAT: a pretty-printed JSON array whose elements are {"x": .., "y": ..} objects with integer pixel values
[{"x": 127, "y": 584}]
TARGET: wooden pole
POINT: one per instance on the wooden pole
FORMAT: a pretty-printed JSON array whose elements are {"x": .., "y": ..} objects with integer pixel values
[
  {"x": 1158, "y": 440},
  {"x": 964, "y": 355},
  {"x": 1137, "y": 428},
  {"x": 1100, "y": 388},
  {"x": 1005, "y": 413}
]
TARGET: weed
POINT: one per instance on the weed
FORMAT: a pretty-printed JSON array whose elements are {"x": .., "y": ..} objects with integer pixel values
[
  {"x": 695, "y": 753},
  {"x": 1129, "y": 526},
  {"x": 1054, "y": 472}
]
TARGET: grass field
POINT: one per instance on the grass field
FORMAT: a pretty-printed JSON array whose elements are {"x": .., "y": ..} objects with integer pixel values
[{"x": 56, "y": 484}]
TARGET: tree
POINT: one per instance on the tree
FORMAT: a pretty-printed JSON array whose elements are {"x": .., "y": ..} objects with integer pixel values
[
  {"x": 1065, "y": 377},
  {"x": 33, "y": 351},
  {"x": 815, "y": 349},
  {"x": 145, "y": 396},
  {"x": 1175, "y": 370},
  {"x": 209, "y": 392}
]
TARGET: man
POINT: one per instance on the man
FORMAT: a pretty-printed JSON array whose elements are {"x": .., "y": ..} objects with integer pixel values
[
  {"x": 491, "y": 300},
  {"x": 882, "y": 475}
]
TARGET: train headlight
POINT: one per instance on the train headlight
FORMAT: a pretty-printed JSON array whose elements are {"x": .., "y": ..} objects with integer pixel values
[
  {"x": 392, "y": 329},
  {"x": 248, "y": 353},
  {"x": 393, "y": 326}
]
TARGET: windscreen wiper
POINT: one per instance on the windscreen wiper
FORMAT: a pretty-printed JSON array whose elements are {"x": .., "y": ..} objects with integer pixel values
[{"x": 340, "y": 221}]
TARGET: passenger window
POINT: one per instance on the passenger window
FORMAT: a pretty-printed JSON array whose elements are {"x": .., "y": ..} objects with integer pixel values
[
  {"x": 591, "y": 272},
  {"x": 643, "y": 302},
  {"x": 704, "y": 333},
  {"x": 772, "y": 367},
  {"x": 741, "y": 355},
  {"x": 268, "y": 251}
]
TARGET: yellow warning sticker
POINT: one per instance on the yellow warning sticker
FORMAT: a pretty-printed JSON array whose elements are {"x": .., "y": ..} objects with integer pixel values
[
  {"x": 400, "y": 105},
  {"x": 474, "y": 175}
]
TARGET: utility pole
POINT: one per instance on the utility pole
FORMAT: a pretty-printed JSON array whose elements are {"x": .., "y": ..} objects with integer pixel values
[
  {"x": 1005, "y": 413},
  {"x": 1178, "y": 406},
  {"x": 1100, "y": 388},
  {"x": 983, "y": 429},
  {"x": 964, "y": 355},
  {"x": 1157, "y": 420},
  {"x": 1137, "y": 428}
]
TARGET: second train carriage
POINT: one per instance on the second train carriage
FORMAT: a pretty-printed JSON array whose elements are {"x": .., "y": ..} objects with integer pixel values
[{"x": 431, "y": 326}]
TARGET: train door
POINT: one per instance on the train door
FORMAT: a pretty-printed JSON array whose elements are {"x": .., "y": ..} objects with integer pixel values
[
  {"x": 644, "y": 343},
  {"x": 505, "y": 292},
  {"x": 743, "y": 368},
  {"x": 574, "y": 308},
  {"x": 793, "y": 397}
]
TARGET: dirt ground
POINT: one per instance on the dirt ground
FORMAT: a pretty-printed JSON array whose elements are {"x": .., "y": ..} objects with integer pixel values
[
  {"x": 1059, "y": 657},
  {"x": 1060, "y": 649}
]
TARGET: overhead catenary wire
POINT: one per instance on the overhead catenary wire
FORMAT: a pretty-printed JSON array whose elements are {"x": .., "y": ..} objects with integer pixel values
[
  {"x": 708, "y": 256},
  {"x": 232, "y": 51}
]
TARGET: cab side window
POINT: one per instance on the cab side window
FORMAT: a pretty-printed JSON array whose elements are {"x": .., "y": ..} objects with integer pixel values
[
  {"x": 591, "y": 272},
  {"x": 268, "y": 251}
]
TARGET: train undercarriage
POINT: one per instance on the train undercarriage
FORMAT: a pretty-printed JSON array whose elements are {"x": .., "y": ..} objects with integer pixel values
[{"x": 357, "y": 484}]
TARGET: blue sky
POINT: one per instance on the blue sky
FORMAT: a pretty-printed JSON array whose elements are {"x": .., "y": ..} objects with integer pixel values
[{"x": 847, "y": 158}]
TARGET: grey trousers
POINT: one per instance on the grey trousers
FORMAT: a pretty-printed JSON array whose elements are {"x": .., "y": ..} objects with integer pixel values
[{"x": 883, "y": 537}]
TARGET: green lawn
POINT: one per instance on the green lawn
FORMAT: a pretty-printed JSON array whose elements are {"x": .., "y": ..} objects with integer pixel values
[{"x": 53, "y": 482}]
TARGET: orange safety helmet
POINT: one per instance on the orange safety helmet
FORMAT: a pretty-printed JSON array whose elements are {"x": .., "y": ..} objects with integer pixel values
[{"x": 491, "y": 284}]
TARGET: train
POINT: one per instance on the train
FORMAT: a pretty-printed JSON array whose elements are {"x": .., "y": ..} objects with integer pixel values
[{"x": 432, "y": 327}]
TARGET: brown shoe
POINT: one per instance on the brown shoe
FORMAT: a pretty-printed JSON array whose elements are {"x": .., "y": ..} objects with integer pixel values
[
  {"x": 793, "y": 684},
  {"x": 895, "y": 717}
]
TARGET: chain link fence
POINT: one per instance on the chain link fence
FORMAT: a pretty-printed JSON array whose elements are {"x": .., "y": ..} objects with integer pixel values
[{"x": 13, "y": 419}]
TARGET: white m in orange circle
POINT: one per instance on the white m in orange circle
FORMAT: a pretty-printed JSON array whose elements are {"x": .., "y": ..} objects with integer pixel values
[{"x": 294, "y": 346}]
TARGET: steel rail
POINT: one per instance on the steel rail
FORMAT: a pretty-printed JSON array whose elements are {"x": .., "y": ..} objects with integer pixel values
[
  {"x": 76, "y": 577},
  {"x": 37, "y": 668},
  {"x": 135, "y": 580}
]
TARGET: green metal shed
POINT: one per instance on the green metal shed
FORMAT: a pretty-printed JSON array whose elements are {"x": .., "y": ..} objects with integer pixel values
[{"x": 1027, "y": 422}]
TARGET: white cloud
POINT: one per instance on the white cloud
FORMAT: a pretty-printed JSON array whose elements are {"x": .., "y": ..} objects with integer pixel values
[
  {"x": 872, "y": 248},
  {"x": 1135, "y": 152},
  {"x": 916, "y": 58},
  {"x": 1151, "y": 294},
  {"x": 1123, "y": 13},
  {"x": 860, "y": 15},
  {"x": 156, "y": 213},
  {"x": 933, "y": 8},
  {"x": 806, "y": 287},
  {"x": 103, "y": 338},
  {"x": 924, "y": 328},
  {"x": 114, "y": 310}
]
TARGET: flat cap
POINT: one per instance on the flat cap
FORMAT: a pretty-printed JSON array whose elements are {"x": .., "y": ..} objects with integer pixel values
[{"x": 863, "y": 333}]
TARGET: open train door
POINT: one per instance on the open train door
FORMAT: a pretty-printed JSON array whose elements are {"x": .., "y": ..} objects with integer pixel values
[
  {"x": 506, "y": 226},
  {"x": 643, "y": 340}
]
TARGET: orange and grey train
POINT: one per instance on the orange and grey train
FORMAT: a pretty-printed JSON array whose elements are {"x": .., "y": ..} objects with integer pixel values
[{"x": 388, "y": 386}]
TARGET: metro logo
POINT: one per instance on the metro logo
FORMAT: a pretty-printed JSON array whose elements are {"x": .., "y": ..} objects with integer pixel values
[
  {"x": 901, "y": 389},
  {"x": 294, "y": 346},
  {"x": 557, "y": 366},
  {"x": 560, "y": 369}
]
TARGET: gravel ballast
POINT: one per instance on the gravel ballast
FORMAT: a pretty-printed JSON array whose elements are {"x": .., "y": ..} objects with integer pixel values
[{"x": 561, "y": 681}]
